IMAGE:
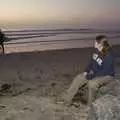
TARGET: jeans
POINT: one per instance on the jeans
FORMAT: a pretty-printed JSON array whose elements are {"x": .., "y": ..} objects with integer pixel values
[{"x": 93, "y": 86}]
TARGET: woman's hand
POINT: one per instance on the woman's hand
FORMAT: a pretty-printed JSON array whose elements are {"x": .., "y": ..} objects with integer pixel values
[
  {"x": 85, "y": 74},
  {"x": 91, "y": 72}
]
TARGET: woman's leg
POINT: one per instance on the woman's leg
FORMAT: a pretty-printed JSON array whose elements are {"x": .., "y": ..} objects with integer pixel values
[
  {"x": 94, "y": 85},
  {"x": 78, "y": 82}
]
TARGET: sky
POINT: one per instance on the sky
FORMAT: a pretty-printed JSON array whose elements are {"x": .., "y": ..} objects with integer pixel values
[{"x": 60, "y": 11}]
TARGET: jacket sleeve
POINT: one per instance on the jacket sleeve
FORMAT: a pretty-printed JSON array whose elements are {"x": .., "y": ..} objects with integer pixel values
[
  {"x": 97, "y": 63},
  {"x": 106, "y": 66}
]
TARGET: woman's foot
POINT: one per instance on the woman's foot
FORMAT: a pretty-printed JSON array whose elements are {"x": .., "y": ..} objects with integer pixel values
[{"x": 63, "y": 101}]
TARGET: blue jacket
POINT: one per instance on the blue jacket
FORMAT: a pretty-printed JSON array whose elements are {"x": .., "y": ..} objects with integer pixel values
[{"x": 101, "y": 66}]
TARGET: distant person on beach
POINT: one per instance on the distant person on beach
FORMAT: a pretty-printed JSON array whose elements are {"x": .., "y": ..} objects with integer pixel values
[
  {"x": 2, "y": 39},
  {"x": 99, "y": 72}
]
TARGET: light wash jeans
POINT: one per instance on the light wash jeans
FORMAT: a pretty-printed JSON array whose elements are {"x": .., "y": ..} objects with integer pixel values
[{"x": 93, "y": 86}]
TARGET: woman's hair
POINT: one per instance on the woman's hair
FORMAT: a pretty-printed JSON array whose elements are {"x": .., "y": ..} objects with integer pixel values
[{"x": 102, "y": 39}]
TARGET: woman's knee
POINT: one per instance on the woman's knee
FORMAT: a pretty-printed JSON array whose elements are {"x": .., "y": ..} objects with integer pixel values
[
  {"x": 92, "y": 84},
  {"x": 80, "y": 76}
]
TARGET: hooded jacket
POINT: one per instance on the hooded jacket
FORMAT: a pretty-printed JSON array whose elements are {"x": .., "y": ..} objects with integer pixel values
[{"x": 101, "y": 66}]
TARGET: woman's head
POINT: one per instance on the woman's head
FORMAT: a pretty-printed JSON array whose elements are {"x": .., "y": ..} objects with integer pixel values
[{"x": 102, "y": 44}]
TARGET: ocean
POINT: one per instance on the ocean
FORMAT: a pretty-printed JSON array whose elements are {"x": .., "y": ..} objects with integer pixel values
[{"x": 55, "y": 37}]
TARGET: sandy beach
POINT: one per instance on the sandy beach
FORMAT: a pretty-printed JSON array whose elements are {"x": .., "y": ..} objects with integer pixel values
[{"x": 37, "y": 79}]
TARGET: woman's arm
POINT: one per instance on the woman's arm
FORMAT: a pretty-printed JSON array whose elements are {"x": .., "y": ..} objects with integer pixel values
[{"x": 106, "y": 66}]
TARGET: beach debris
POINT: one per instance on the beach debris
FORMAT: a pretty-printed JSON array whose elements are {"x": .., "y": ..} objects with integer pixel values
[
  {"x": 5, "y": 87},
  {"x": 53, "y": 84},
  {"x": 2, "y": 106}
]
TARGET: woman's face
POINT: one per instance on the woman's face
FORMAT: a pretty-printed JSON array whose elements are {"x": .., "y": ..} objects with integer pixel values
[{"x": 98, "y": 45}]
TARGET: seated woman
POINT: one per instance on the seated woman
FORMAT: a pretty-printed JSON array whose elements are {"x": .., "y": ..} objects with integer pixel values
[{"x": 99, "y": 72}]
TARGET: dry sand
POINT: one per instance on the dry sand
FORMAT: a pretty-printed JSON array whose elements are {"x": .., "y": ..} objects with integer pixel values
[{"x": 37, "y": 79}]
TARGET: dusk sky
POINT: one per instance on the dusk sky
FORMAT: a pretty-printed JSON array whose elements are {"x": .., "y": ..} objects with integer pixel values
[{"x": 59, "y": 11}]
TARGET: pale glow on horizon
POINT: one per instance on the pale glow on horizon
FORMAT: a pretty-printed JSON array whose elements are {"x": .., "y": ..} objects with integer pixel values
[{"x": 68, "y": 11}]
